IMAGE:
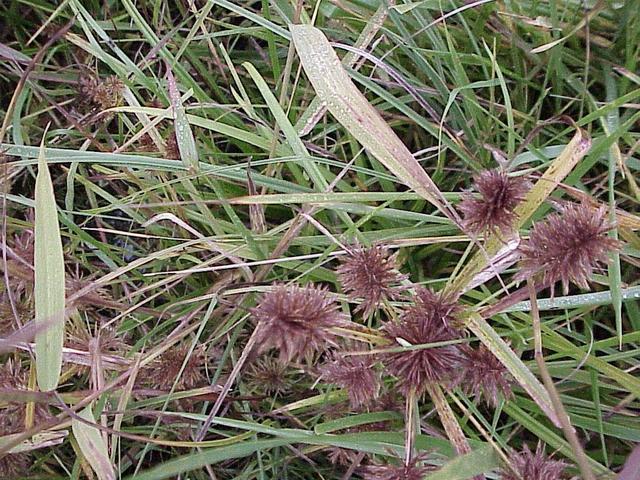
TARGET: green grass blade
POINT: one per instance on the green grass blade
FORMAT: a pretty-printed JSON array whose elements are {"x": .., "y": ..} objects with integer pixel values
[
  {"x": 49, "y": 280},
  {"x": 476, "y": 462},
  {"x": 558, "y": 343},
  {"x": 374, "y": 442},
  {"x": 511, "y": 139},
  {"x": 294, "y": 141},
  {"x": 610, "y": 125}
]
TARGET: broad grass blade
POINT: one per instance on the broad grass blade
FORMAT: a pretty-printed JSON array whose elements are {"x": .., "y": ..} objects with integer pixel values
[
  {"x": 347, "y": 104},
  {"x": 476, "y": 462},
  {"x": 317, "y": 108},
  {"x": 93, "y": 446},
  {"x": 49, "y": 281},
  {"x": 184, "y": 136}
]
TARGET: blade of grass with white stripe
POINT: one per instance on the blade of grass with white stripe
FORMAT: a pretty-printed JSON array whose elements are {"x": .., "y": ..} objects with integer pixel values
[
  {"x": 92, "y": 445},
  {"x": 184, "y": 136},
  {"x": 349, "y": 106},
  {"x": 49, "y": 280}
]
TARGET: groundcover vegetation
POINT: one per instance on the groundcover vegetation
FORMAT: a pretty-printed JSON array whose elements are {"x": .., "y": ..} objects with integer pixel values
[{"x": 287, "y": 239}]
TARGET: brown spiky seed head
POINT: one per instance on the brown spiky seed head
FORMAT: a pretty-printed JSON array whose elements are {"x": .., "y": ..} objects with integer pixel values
[
  {"x": 439, "y": 305},
  {"x": 104, "y": 340},
  {"x": 269, "y": 376},
  {"x": 533, "y": 465},
  {"x": 296, "y": 320},
  {"x": 108, "y": 92},
  {"x": 493, "y": 211},
  {"x": 481, "y": 373},
  {"x": 423, "y": 323},
  {"x": 163, "y": 372},
  {"x": 356, "y": 374},
  {"x": 15, "y": 465},
  {"x": 12, "y": 419},
  {"x": 568, "y": 246},
  {"x": 413, "y": 471},
  {"x": 343, "y": 457},
  {"x": 371, "y": 274}
]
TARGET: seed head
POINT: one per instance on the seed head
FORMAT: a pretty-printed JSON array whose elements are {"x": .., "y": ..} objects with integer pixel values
[
  {"x": 8, "y": 323},
  {"x": 481, "y": 373},
  {"x": 162, "y": 373},
  {"x": 12, "y": 416},
  {"x": 270, "y": 376},
  {"x": 371, "y": 274},
  {"x": 342, "y": 456},
  {"x": 356, "y": 374},
  {"x": 439, "y": 305},
  {"x": 295, "y": 320},
  {"x": 568, "y": 246},
  {"x": 108, "y": 341},
  {"x": 499, "y": 195},
  {"x": 413, "y": 471},
  {"x": 533, "y": 465},
  {"x": 103, "y": 94},
  {"x": 425, "y": 322},
  {"x": 15, "y": 465}
]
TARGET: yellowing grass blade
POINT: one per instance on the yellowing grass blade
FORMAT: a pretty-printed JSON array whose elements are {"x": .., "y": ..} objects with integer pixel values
[
  {"x": 49, "y": 281},
  {"x": 92, "y": 445},
  {"x": 345, "y": 102}
]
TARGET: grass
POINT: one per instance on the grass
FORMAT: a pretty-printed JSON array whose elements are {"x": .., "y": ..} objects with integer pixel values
[{"x": 201, "y": 152}]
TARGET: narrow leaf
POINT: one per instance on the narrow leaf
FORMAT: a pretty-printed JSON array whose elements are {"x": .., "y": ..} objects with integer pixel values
[
  {"x": 93, "y": 446},
  {"x": 508, "y": 358},
  {"x": 611, "y": 124},
  {"x": 49, "y": 281},
  {"x": 347, "y": 104}
]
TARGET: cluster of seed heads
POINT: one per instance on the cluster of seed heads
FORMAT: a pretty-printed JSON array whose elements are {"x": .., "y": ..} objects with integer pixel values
[
  {"x": 423, "y": 343},
  {"x": 421, "y": 339}
]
